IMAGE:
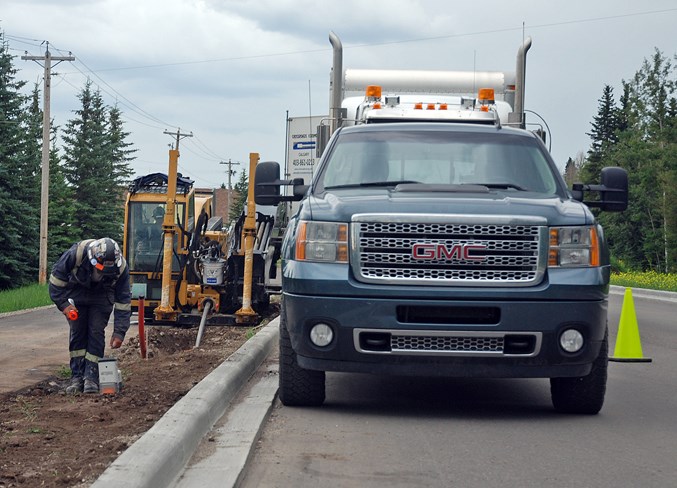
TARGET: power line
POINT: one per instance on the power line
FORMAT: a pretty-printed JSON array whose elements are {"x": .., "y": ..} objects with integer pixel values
[
  {"x": 24, "y": 40},
  {"x": 386, "y": 43},
  {"x": 199, "y": 155},
  {"x": 125, "y": 115},
  {"x": 207, "y": 149},
  {"x": 134, "y": 107},
  {"x": 211, "y": 155},
  {"x": 129, "y": 104},
  {"x": 126, "y": 102}
]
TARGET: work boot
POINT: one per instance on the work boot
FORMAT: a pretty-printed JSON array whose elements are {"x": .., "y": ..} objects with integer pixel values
[
  {"x": 91, "y": 386},
  {"x": 76, "y": 385}
]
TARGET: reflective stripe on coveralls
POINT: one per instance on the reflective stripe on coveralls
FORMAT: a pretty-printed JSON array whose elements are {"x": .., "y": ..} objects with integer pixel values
[{"x": 79, "y": 353}]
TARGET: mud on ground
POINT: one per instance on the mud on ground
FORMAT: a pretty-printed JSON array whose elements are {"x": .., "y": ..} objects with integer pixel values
[{"x": 50, "y": 439}]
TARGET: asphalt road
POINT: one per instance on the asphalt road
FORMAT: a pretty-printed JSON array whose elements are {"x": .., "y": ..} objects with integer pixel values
[
  {"x": 391, "y": 431},
  {"x": 34, "y": 345}
]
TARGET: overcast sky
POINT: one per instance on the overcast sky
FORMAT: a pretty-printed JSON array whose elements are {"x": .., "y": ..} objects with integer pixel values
[{"x": 229, "y": 71}]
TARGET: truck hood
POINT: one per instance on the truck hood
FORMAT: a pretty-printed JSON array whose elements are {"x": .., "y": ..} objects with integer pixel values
[{"x": 340, "y": 205}]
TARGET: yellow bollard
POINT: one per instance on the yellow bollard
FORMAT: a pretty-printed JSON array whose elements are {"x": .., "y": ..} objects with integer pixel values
[{"x": 628, "y": 345}]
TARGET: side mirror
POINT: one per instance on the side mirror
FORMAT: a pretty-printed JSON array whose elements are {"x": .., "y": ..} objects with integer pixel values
[
  {"x": 266, "y": 192},
  {"x": 614, "y": 197},
  {"x": 613, "y": 190},
  {"x": 267, "y": 184}
]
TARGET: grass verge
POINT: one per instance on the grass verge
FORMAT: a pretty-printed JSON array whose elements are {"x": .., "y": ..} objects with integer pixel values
[
  {"x": 649, "y": 279},
  {"x": 22, "y": 298}
]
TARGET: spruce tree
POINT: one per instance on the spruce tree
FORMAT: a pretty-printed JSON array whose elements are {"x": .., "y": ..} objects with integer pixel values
[
  {"x": 120, "y": 154},
  {"x": 96, "y": 166},
  {"x": 604, "y": 135},
  {"x": 121, "y": 151},
  {"x": 241, "y": 188},
  {"x": 18, "y": 261},
  {"x": 62, "y": 232},
  {"x": 29, "y": 174},
  {"x": 645, "y": 236}
]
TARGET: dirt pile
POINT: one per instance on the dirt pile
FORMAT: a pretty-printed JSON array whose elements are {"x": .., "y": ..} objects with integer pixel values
[{"x": 51, "y": 439}]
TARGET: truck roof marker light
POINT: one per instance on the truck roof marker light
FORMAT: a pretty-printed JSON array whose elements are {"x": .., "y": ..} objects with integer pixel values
[
  {"x": 430, "y": 106},
  {"x": 443, "y": 106},
  {"x": 373, "y": 91},
  {"x": 418, "y": 106},
  {"x": 377, "y": 105},
  {"x": 486, "y": 95},
  {"x": 484, "y": 108},
  {"x": 392, "y": 100}
]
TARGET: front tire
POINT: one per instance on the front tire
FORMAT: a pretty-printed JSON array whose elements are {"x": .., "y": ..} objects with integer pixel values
[
  {"x": 585, "y": 394},
  {"x": 298, "y": 387}
]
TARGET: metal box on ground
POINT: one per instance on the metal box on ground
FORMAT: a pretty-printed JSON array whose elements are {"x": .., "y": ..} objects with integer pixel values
[{"x": 110, "y": 379}]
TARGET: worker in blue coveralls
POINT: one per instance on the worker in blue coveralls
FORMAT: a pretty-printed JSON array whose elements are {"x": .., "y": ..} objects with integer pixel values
[{"x": 88, "y": 282}]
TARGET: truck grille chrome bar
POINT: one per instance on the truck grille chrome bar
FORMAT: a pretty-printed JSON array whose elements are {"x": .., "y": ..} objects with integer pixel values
[{"x": 452, "y": 250}]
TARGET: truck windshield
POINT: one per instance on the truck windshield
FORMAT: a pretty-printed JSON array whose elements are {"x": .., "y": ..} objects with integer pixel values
[{"x": 497, "y": 160}]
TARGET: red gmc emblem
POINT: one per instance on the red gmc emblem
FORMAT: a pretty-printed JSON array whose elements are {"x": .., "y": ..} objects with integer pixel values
[{"x": 459, "y": 252}]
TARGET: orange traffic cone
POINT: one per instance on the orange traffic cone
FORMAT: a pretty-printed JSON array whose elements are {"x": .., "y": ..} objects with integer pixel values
[{"x": 628, "y": 346}]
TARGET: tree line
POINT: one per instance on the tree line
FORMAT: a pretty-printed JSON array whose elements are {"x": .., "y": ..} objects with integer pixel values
[
  {"x": 638, "y": 133},
  {"x": 89, "y": 172}
]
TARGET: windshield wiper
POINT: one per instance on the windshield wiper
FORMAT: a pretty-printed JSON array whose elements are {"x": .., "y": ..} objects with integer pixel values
[
  {"x": 500, "y": 186},
  {"x": 371, "y": 183}
]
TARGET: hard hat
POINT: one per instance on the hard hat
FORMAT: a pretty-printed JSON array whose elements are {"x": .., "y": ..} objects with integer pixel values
[
  {"x": 105, "y": 255},
  {"x": 158, "y": 212}
]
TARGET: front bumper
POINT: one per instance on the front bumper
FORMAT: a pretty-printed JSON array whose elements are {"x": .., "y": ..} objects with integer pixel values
[{"x": 512, "y": 320}]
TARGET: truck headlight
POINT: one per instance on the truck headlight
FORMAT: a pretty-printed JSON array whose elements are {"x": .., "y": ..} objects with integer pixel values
[
  {"x": 322, "y": 241},
  {"x": 576, "y": 246}
]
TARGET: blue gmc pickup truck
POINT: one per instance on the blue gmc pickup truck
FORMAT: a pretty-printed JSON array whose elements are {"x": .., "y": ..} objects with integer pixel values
[{"x": 443, "y": 248}]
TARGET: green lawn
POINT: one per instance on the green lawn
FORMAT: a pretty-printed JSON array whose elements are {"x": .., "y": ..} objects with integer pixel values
[{"x": 22, "y": 298}]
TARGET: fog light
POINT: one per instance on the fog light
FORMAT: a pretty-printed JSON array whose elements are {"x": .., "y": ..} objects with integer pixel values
[
  {"x": 321, "y": 335},
  {"x": 571, "y": 340}
]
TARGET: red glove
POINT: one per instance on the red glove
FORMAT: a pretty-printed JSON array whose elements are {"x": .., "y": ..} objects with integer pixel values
[
  {"x": 115, "y": 342},
  {"x": 71, "y": 312}
]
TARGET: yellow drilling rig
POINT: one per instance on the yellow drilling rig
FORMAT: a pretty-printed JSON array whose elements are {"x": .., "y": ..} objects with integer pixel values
[{"x": 186, "y": 265}]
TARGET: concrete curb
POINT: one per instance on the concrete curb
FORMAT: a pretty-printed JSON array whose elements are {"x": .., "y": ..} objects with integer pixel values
[
  {"x": 667, "y": 296},
  {"x": 26, "y": 310},
  {"x": 160, "y": 455}
]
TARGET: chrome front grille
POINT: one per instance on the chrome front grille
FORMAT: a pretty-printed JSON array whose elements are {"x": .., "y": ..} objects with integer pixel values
[
  {"x": 400, "y": 343},
  {"x": 451, "y": 250}
]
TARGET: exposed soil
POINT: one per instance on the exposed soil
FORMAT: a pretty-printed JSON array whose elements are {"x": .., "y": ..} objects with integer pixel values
[{"x": 50, "y": 439}]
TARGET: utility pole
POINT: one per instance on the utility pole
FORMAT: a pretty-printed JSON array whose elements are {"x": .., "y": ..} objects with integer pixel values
[
  {"x": 231, "y": 171},
  {"x": 178, "y": 135},
  {"x": 46, "y": 129}
]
